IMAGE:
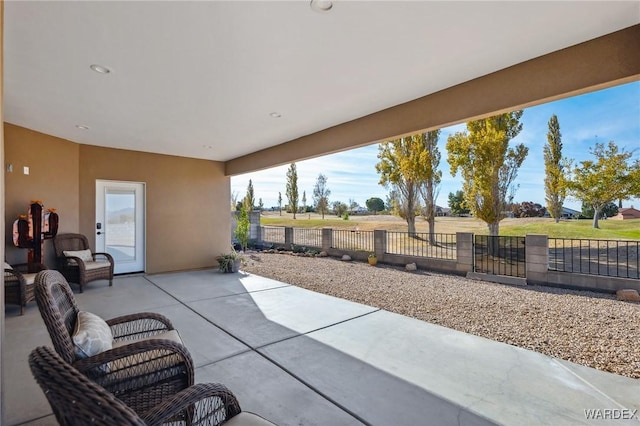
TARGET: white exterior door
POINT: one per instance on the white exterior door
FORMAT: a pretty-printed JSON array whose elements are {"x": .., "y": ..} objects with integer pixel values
[{"x": 120, "y": 223}]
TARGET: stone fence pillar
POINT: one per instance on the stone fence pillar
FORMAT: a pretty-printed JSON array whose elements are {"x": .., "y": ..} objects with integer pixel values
[
  {"x": 537, "y": 258},
  {"x": 327, "y": 239},
  {"x": 380, "y": 243},
  {"x": 464, "y": 251},
  {"x": 288, "y": 237}
]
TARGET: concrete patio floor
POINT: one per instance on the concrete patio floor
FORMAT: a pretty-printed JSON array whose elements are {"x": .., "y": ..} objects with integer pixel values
[{"x": 302, "y": 358}]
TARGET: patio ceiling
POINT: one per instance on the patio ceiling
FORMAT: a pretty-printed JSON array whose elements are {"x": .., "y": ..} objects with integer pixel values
[{"x": 204, "y": 79}]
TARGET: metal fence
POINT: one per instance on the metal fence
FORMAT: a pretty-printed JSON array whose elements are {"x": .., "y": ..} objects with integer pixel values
[
  {"x": 595, "y": 257},
  {"x": 418, "y": 244},
  {"x": 307, "y": 237},
  {"x": 273, "y": 234},
  {"x": 500, "y": 255},
  {"x": 353, "y": 240}
]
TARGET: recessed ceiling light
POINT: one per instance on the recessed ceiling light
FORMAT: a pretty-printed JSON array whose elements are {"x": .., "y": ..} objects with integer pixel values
[
  {"x": 100, "y": 69},
  {"x": 82, "y": 127},
  {"x": 275, "y": 115},
  {"x": 321, "y": 5}
]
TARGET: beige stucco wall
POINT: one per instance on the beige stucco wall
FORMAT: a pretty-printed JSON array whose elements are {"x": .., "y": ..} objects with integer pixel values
[
  {"x": 53, "y": 178},
  {"x": 187, "y": 204},
  {"x": 187, "y": 220}
]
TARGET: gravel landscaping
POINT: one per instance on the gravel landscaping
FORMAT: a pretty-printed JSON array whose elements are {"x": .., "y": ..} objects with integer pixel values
[{"x": 591, "y": 329}]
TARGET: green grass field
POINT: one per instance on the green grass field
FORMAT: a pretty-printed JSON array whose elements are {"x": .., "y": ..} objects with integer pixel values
[{"x": 609, "y": 229}]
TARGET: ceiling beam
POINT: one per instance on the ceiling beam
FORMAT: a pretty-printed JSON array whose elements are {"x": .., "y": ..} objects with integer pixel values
[{"x": 596, "y": 64}]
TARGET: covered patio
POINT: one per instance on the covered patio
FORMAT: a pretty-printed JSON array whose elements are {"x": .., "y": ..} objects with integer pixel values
[
  {"x": 300, "y": 357},
  {"x": 182, "y": 95}
]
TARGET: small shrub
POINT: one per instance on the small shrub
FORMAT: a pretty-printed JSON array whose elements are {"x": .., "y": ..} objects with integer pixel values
[{"x": 345, "y": 216}]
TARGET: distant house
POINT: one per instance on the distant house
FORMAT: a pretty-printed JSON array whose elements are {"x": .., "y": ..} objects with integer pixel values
[
  {"x": 567, "y": 213},
  {"x": 443, "y": 211},
  {"x": 627, "y": 213}
]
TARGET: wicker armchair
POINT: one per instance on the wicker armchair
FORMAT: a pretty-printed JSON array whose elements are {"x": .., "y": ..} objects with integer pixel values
[
  {"x": 79, "y": 271},
  {"x": 142, "y": 373},
  {"x": 75, "y": 400},
  {"x": 18, "y": 283}
]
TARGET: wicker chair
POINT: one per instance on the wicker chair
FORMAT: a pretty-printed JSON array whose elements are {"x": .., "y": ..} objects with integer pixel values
[
  {"x": 76, "y": 270},
  {"x": 141, "y": 373},
  {"x": 18, "y": 283},
  {"x": 75, "y": 400}
]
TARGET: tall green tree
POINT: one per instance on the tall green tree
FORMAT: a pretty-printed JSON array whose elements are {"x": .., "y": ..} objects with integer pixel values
[
  {"x": 375, "y": 204},
  {"x": 292, "y": 188},
  {"x": 456, "y": 203},
  {"x": 611, "y": 176},
  {"x": 406, "y": 166},
  {"x": 488, "y": 165},
  {"x": 280, "y": 202},
  {"x": 555, "y": 169},
  {"x": 249, "y": 199},
  {"x": 321, "y": 195},
  {"x": 303, "y": 208},
  {"x": 260, "y": 205},
  {"x": 431, "y": 185}
]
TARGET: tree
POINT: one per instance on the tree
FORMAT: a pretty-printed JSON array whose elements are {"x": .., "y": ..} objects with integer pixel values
[
  {"x": 260, "y": 205},
  {"x": 456, "y": 203},
  {"x": 280, "y": 202},
  {"x": 555, "y": 168},
  {"x": 610, "y": 177},
  {"x": 375, "y": 205},
  {"x": 488, "y": 165},
  {"x": 405, "y": 166},
  {"x": 292, "y": 188},
  {"x": 243, "y": 225},
  {"x": 303, "y": 208},
  {"x": 249, "y": 199},
  {"x": 528, "y": 209},
  {"x": 234, "y": 200},
  {"x": 432, "y": 179},
  {"x": 339, "y": 208},
  {"x": 609, "y": 210},
  {"x": 321, "y": 194}
]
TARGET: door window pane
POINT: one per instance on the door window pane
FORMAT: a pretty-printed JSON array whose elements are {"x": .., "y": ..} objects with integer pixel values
[{"x": 120, "y": 229}]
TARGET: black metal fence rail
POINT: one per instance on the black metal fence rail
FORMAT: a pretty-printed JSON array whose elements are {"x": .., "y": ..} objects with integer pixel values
[
  {"x": 273, "y": 234},
  {"x": 500, "y": 255},
  {"x": 419, "y": 244},
  {"x": 344, "y": 239},
  {"x": 611, "y": 258},
  {"x": 307, "y": 237}
]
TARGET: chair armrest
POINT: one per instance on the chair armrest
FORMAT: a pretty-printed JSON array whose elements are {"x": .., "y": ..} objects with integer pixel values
[
  {"x": 138, "y": 325},
  {"x": 107, "y": 255},
  {"x": 64, "y": 262},
  {"x": 210, "y": 403},
  {"x": 27, "y": 268},
  {"x": 141, "y": 374}
]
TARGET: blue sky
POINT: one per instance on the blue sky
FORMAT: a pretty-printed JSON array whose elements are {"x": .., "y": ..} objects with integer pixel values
[{"x": 607, "y": 115}]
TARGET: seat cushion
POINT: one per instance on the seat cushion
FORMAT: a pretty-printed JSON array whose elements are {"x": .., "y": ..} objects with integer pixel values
[
  {"x": 91, "y": 265},
  {"x": 92, "y": 335},
  {"x": 248, "y": 419},
  {"x": 29, "y": 278}
]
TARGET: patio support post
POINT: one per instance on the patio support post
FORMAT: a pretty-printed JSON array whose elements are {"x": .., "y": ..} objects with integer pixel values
[
  {"x": 380, "y": 243},
  {"x": 536, "y": 258},
  {"x": 464, "y": 251},
  {"x": 327, "y": 239},
  {"x": 288, "y": 236}
]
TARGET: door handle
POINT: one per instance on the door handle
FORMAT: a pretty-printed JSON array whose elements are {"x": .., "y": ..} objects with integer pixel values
[{"x": 100, "y": 233}]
